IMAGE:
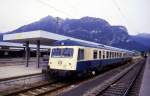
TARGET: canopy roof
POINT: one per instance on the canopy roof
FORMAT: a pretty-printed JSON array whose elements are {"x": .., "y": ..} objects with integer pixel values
[{"x": 47, "y": 38}]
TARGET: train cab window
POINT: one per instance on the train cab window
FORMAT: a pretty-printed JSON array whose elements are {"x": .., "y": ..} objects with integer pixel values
[
  {"x": 67, "y": 52},
  {"x": 62, "y": 52},
  {"x": 56, "y": 52},
  {"x": 81, "y": 54},
  {"x": 95, "y": 54},
  {"x": 100, "y": 54}
]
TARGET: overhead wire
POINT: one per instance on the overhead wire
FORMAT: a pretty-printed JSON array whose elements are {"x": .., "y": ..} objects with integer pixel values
[
  {"x": 124, "y": 16},
  {"x": 68, "y": 15},
  {"x": 54, "y": 8}
]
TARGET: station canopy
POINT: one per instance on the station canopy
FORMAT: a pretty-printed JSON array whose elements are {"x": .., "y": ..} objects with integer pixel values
[{"x": 46, "y": 38}]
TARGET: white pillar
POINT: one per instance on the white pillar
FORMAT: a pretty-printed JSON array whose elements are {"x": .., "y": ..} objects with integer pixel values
[{"x": 27, "y": 53}]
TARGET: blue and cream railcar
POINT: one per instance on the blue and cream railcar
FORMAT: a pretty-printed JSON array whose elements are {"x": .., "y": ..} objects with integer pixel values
[{"x": 72, "y": 56}]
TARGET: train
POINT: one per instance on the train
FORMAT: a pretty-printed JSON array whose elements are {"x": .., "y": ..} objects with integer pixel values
[{"x": 68, "y": 57}]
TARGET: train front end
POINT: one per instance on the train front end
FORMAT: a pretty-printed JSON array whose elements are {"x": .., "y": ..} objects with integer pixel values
[{"x": 63, "y": 60}]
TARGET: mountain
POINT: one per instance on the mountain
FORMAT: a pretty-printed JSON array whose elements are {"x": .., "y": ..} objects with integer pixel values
[
  {"x": 48, "y": 24},
  {"x": 87, "y": 28},
  {"x": 143, "y": 39},
  {"x": 144, "y": 35}
]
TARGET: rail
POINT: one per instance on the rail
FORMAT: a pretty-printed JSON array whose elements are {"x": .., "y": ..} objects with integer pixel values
[{"x": 16, "y": 82}]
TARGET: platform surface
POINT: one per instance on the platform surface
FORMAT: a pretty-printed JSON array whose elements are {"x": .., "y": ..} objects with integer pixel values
[
  {"x": 14, "y": 71},
  {"x": 145, "y": 87}
]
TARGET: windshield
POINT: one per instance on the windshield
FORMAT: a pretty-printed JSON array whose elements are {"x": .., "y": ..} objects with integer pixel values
[{"x": 62, "y": 52}]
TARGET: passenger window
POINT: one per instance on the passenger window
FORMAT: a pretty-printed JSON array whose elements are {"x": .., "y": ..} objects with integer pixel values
[
  {"x": 103, "y": 54},
  {"x": 113, "y": 54},
  {"x": 117, "y": 55},
  {"x": 110, "y": 54},
  {"x": 124, "y": 55},
  {"x": 120, "y": 55},
  {"x": 100, "y": 54},
  {"x": 81, "y": 54},
  {"x": 95, "y": 54},
  {"x": 107, "y": 55}
]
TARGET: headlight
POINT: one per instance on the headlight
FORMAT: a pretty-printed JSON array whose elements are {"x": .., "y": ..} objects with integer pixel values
[
  {"x": 59, "y": 62},
  {"x": 70, "y": 64}
]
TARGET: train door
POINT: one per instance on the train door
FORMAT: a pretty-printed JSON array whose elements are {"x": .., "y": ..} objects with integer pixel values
[{"x": 80, "y": 54}]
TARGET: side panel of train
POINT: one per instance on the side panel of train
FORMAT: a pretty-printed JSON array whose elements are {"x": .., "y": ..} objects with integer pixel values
[{"x": 97, "y": 59}]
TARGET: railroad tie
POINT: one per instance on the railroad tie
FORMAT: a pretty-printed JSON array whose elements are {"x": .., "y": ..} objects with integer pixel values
[
  {"x": 22, "y": 94},
  {"x": 33, "y": 93}
]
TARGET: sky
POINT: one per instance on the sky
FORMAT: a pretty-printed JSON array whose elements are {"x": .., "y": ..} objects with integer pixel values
[{"x": 134, "y": 14}]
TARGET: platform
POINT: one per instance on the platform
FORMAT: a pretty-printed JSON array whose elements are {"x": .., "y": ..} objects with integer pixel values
[
  {"x": 15, "y": 71},
  {"x": 145, "y": 87}
]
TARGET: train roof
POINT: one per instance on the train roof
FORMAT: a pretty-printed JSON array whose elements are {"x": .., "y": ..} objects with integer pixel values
[{"x": 69, "y": 42}]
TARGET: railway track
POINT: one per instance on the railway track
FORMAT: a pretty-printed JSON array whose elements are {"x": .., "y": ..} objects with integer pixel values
[
  {"x": 15, "y": 83},
  {"x": 135, "y": 89},
  {"x": 119, "y": 85},
  {"x": 39, "y": 90},
  {"x": 29, "y": 85},
  {"x": 84, "y": 87},
  {"x": 49, "y": 87}
]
